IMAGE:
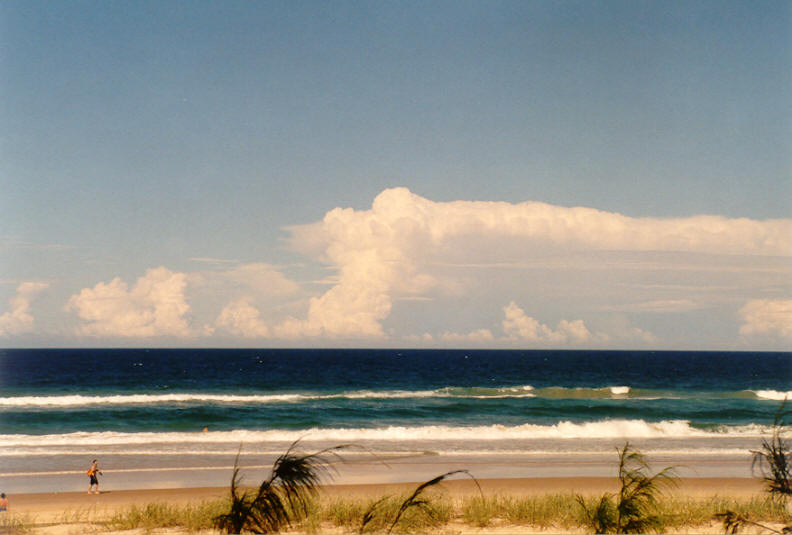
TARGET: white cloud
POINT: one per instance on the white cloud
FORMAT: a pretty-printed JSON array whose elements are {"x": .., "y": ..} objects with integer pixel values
[
  {"x": 158, "y": 305},
  {"x": 154, "y": 306},
  {"x": 210, "y": 260},
  {"x": 19, "y": 320},
  {"x": 477, "y": 337},
  {"x": 351, "y": 309},
  {"x": 411, "y": 261},
  {"x": 242, "y": 319},
  {"x": 519, "y": 326},
  {"x": 767, "y": 317},
  {"x": 261, "y": 278},
  {"x": 397, "y": 249},
  {"x": 420, "y": 339},
  {"x": 635, "y": 334},
  {"x": 659, "y": 306},
  {"x": 256, "y": 279}
]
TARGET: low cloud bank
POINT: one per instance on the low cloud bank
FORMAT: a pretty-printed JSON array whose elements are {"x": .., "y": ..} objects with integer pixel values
[{"x": 415, "y": 252}]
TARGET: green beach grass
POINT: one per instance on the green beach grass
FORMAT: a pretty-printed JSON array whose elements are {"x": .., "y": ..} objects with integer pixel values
[
  {"x": 16, "y": 524},
  {"x": 552, "y": 512}
]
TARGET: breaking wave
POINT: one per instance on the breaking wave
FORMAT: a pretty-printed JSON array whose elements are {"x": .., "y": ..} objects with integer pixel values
[
  {"x": 527, "y": 391},
  {"x": 563, "y": 430},
  {"x": 773, "y": 395}
]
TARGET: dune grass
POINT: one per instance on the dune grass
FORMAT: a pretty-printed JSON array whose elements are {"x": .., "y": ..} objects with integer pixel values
[
  {"x": 152, "y": 516},
  {"x": 563, "y": 512},
  {"x": 633, "y": 509},
  {"x": 421, "y": 503},
  {"x": 390, "y": 517},
  {"x": 15, "y": 524},
  {"x": 551, "y": 512},
  {"x": 284, "y": 498},
  {"x": 677, "y": 512},
  {"x": 545, "y": 511}
]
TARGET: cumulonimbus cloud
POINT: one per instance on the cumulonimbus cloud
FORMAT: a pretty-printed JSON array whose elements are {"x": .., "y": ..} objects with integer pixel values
[
  {"x": 19, "y": 319},
  {"x": 154, "y": 306},
  {"x": 767, "y": 317},
  {"x": 384, "y": 253}
]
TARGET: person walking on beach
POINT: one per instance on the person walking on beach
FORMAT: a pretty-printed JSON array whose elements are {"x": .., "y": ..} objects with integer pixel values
[
  {"x": 94, "y": 473},
  {"x": 3, "y": 502}
]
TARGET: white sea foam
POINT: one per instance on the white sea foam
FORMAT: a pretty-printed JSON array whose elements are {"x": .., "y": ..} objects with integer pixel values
[
  {"x": 158, "y": 399},
  {"x": 773, "y": 395},
  {"x": 563, "y": 430},
  {"x": 255, "y": 399},
  {"x": 526, "y": 391},
  {"x": 374, "y": 394},
  {"x": 234, "y": 449},
  {"x": 142, "y": 399}
]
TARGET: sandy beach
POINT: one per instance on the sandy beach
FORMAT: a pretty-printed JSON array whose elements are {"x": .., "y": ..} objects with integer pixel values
[{"x": 64, "y": 513}]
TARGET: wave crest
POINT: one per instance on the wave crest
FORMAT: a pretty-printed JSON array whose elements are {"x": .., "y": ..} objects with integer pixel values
[
  {"x": 603, "y": 429},
  {"x": 773, "y": 395},
  {"x": 475, "y": 392}
]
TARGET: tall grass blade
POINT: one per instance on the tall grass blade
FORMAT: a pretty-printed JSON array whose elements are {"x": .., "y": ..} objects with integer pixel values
[
  {"x": 773, "y": 459},
  {"x": 634, "y": 508},
  {"x": 602, "y": 517},
  {"x": 733, "y": 522},
  {"x": 415, "y": 500},
  {"x": 371, "y": 513},
  {"x": 283, "y": 497}
]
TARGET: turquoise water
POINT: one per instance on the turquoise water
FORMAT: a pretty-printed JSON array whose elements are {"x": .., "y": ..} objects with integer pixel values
[{"x": 145, "y": 411}]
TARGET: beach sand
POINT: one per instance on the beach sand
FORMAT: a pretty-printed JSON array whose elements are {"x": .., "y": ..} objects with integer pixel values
[{"x": 67, "y": 512}]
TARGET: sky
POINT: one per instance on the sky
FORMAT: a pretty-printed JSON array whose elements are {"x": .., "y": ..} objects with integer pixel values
[{"x": 544, "y": 174}]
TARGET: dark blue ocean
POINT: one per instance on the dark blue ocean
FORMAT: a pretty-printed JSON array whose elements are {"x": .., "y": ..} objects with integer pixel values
[{"x": 153, "y": 412}]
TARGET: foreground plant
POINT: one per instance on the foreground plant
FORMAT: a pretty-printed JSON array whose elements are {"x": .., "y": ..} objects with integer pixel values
[
  {"x": 733, "y": 522},
  {"x": 416, "y": 500},
  {"x": 773, "y": 459},
  {"x": 14, "y": 524},
  {"x": 774, "y": 467},
  {"x": 634, "y": 508},
  {"x": 283, "y": 497}
]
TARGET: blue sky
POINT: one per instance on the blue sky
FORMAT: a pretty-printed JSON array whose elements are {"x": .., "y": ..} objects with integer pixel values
[{"x": 205, "y": 173}]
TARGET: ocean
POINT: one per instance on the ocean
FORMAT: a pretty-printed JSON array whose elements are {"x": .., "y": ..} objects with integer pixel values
[{"x": 158, "y": 418}]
